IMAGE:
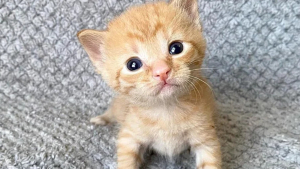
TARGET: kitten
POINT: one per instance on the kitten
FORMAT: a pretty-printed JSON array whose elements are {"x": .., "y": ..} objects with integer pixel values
[{"x": 151, "y": 56}]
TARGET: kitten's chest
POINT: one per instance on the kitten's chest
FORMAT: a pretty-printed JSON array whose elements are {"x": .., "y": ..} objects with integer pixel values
[
  {"x": 168, "y": 142},
  {"x": 166, "y": 130},
  {"x": 169, "y": 133}
]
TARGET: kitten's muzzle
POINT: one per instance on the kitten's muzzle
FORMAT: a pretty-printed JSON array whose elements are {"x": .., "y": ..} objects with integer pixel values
[{"x": 160, "y": 70}]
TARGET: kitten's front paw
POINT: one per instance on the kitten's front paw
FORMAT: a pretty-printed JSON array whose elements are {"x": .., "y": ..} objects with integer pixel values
[{"x": 99, "y": 120}]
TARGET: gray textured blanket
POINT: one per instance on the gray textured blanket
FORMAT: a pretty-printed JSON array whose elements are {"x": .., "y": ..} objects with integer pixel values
[{"x": 49, "y": 91}]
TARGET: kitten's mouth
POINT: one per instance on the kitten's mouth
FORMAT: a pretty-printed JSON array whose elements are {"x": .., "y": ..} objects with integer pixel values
[{"x": 166, "y": 88}]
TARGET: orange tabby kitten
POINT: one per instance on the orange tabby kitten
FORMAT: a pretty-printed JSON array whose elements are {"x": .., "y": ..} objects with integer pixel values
[{"x": 151, "y": 56}]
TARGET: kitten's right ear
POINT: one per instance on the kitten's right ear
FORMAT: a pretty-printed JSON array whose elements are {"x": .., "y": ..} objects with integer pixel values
[
  {"x": 91, "y": 40},
  {"x": 190, "y": 7}
]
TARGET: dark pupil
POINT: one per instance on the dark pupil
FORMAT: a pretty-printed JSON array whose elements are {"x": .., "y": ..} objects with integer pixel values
[
  {"x": 175, "y": 48},
  {"x": 134, "y": 64}
]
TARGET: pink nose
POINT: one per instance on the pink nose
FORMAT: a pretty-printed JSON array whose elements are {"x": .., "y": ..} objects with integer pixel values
[{"x": 160, "y": 70}]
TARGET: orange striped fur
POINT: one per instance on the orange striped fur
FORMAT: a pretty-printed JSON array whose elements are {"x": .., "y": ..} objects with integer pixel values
[{"x": 168, "y": 121}]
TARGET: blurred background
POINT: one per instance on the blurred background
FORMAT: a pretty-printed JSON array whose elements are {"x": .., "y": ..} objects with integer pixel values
[{"x": 49, "y": 90}]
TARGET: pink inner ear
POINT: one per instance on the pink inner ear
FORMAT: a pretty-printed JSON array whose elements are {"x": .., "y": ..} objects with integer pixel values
[
  {"x": 92, "y": 46},
  {"x": 91, "y": 41},
  {"x": 190, "y": 7}
]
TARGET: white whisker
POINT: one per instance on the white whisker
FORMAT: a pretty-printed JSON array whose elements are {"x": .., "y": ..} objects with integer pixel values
[{"x": 204, "y": 83}]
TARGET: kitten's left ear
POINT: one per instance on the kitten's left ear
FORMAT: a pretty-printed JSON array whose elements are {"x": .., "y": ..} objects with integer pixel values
[
  {"x": 92, "y": 42},
  {"x": 190, "y": 7}
]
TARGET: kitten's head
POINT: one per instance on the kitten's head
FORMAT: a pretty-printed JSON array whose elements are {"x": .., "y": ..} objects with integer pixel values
[{"x": 150, "y": 51}]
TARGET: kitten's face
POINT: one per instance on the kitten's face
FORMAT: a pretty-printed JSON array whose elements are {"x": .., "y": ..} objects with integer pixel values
[{"x": 153, "y": 50}]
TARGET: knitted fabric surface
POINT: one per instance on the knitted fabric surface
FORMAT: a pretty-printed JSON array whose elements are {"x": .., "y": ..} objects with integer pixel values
[{"x": 49, "y": 90}]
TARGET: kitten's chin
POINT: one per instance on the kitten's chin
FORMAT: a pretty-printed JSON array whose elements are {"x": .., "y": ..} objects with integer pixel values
[
  {"x": 166, "y": 90},
  {"x": 159, "y": 95}
]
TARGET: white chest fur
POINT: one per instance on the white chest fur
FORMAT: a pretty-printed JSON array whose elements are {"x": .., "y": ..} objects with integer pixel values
[
  {"x": 168, "y": 132},
  {"x": 168, "y": 143}
]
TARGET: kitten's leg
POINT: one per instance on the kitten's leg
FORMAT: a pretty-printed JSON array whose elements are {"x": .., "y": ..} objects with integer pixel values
[
  {"x": 109, "y": 115},
  {"x": 208, "y": 153},
  {"x": 103, "y": 119},
  {"x": 115, "y": 113},
  {"x": 128, "y": 151}
]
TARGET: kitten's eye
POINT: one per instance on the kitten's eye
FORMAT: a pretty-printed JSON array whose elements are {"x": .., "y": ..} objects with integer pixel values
[
  {"x": 134, "y": 64},
  {"x": 175, "y": 48}
]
